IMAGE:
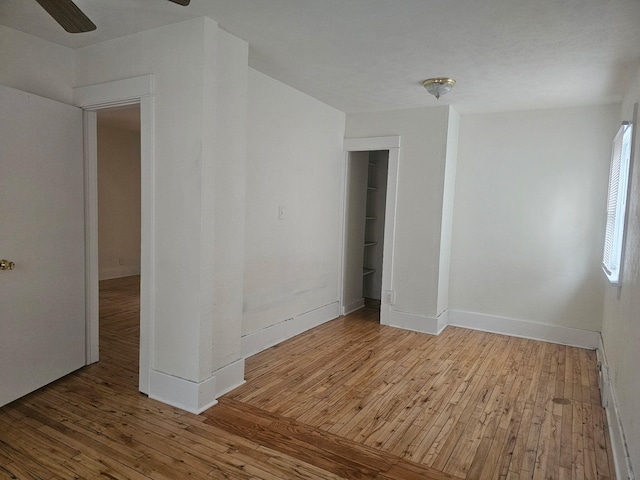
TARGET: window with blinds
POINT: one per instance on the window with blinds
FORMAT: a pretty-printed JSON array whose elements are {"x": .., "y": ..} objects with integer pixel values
[{"x": 617, "y": 203}]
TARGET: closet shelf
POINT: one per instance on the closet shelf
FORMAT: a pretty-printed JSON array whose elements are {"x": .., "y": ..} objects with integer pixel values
[
  {"x": 369, "y": 244},
  {"x": 367, "y": 271}
]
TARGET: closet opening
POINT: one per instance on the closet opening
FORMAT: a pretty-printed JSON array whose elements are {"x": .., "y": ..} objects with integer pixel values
[{"x": 364, "y": 239}]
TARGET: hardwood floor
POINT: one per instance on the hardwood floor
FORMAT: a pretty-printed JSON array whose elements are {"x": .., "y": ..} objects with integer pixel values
[
  {"x": 349, "y": 399},
  {"x": 470, "y": 404}
]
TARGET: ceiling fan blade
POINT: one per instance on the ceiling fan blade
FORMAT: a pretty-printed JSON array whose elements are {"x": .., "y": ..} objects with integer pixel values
[
  {"x": 68, "y": 15},
  {"x": 184, "y": 3}
]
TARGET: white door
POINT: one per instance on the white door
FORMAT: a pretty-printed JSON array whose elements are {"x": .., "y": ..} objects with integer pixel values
[{"x": 42, "y": 314}]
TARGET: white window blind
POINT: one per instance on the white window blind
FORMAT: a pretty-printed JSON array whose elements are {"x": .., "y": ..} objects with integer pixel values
[{"x": 617, "y": 203}]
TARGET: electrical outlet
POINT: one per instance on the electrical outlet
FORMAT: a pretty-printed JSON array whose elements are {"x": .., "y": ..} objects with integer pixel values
[
  {"x": 388, "y": 297},
  {"x": 280, "y": 212}
]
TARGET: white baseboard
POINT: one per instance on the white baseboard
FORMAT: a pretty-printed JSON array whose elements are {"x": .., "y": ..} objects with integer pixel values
[
  {"x": 525, "y": 329},
  {"x": 443, "y": 321},
  {"x": 352, "y": 307},
  {"x": 260, "y": 340},
  {"x": 619, "y": 449},
  {"x": 195, "y": 397},
  {"x": 229, "y": 377},
  {"x": 417, "y": 323}
]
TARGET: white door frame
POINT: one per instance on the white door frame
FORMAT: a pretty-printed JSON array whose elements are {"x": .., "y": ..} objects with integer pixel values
[
  {"x": 135, "y": 90},
  {"x": 392, "y": 144}
]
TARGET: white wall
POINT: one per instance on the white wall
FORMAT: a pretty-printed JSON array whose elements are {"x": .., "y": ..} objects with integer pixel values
[
  {"x": 423, "y": 146},
  {"x": 448, "y": 199},
  {"x": 295, "y": 156},
  {"x": 168, "y": 53},
  {"x": 191, "y": 147},
  {"x": 621, "y": 324},
  {"x": 529, "y": 215},
  {"x": 36, "y": 66},
  {"x": 229, "y": 190},
  {"x": 118, "y": 201}
]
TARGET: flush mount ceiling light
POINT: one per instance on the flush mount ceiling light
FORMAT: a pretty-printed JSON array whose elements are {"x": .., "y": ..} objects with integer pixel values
[{"x": 438, "y": 86}]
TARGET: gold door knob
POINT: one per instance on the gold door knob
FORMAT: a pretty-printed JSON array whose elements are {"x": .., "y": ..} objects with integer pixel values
[{"x": 6, "y": 265}]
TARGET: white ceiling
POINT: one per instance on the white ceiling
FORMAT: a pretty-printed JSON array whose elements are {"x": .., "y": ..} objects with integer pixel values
[{"x": 367, "y": 55}]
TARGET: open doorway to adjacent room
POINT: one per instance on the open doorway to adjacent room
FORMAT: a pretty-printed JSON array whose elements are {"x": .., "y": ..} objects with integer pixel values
[{"x": 119, "y": 236}]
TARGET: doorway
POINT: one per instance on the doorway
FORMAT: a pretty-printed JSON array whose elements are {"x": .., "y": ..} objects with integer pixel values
[
  {"x": 366, "y": 188},
  {"x": 119, "y": 181},
  {"x": 372, "y": 257},
  {"x": 370, "y": 182},
  {"x": 91, "y": 98},
  {"x": 119, "y": 236}
]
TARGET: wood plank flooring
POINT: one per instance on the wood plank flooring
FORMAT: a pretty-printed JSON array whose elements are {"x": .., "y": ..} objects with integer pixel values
[
  {"x": 349, "y": 399},
  {"x": 467, "y": 403}
]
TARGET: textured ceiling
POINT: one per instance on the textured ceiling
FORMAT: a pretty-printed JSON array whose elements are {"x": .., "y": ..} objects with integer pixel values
[{"x": 367, "y": 55}]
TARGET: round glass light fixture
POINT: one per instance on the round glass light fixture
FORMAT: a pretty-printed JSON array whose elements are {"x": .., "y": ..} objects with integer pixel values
[{"x": 438, "y": 86}]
